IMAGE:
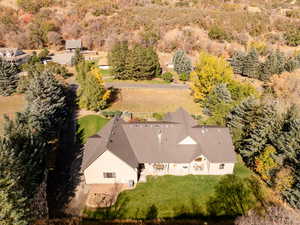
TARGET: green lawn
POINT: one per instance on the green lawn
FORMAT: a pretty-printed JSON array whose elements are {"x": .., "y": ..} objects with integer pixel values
[
  {"x": 170, "y": 196},
  {"x": 90, "y": 125},
  {"x": 105, "y": 73}
]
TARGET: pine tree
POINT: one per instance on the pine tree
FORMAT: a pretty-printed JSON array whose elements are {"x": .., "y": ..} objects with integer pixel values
[
  {"x": 274, "y": 64},
  {"x": 8, "y": 78},
  {"x": 46, "y": 104},
  {"x": 142, "y": 64},
  {"x": 29, "y": 149},
  {"x": 288, "y": 144},
  {"x": 117, "y": 60},
  {"x": 182, "y": 64},
  {"x": 251, "y": 64},
  {"x": 14, "y": 205},
  {"x": 237, "y": 62}
]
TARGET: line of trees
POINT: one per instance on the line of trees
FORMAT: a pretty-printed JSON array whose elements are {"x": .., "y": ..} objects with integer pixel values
[
  {"x": 250, "y": 65},
  {"x": 269, "y": 144},
  {"x": 25, "y": 146},
  {"x": 136, "y": 63}
]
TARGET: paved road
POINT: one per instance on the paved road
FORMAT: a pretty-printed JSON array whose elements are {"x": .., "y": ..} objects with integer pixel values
[{"x": 152, "y": 86}]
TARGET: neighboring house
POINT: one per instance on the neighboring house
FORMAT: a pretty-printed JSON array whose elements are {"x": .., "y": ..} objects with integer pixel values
[
  {"x": 63, "y": 58},
  {"x": 14, "y": 55},
  {"x": 72, "y": 45},
  {"x": 127, "y": 152}
]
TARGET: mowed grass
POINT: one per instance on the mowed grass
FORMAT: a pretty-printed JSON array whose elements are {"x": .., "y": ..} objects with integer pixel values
[
  {"x": 174, "y": 196},
  {"x": 10, "y": 105},
  {"x": 171, "y": 196},
  {"x": 155, "y": 100},
  {"x": 90, "y": 125}
]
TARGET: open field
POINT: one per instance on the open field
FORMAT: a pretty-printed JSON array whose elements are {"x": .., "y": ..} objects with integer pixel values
[
  {"x": 91, "y": 124},
  {"x": 10, "y": 105},
  {"x": 155, "y": 100}
]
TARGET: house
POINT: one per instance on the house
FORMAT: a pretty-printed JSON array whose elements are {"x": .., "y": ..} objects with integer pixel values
[
  {"x": 14, "y": 55},
  {"x": 63, "y": 58},
  {"x": 72, "y": 45},
  {"x": 127, "y": 152}
]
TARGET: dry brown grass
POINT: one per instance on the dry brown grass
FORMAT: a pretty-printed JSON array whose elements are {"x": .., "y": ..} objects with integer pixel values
[
  {"x": 10, "y": 105},
  {"x": 155, "y": 100}
]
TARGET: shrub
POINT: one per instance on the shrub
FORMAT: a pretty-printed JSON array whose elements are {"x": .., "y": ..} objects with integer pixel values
[
  {"x": 292, "y": 37},
  {"x": 184, "y": 77},
  {"x": 158, "y": 116},
  {"x": 111, "y": 114},
  {"x": 216, "y": 33},
  {"x": 167, "y": 77}
]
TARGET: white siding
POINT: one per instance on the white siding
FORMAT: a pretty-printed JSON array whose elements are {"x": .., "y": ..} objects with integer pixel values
[
  {"x": 203, "y": 167},
  {"x": 215, "y": 170},
  {"x": 108, "y": 162}
]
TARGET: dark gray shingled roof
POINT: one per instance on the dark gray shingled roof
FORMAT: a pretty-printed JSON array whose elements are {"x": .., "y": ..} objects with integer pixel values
[{"x": 151, "y": 142}]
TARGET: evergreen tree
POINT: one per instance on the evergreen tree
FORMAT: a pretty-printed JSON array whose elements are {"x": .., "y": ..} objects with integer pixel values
[
  {"x": 182, "y": 64},
  {"x": 29, "y": 149},
  {"x": 92, "y": 94},
  {"x": 117, "y": 60},
  {"x": 274, "y": 64},
  {"x": 46, "y": 104},
  {"x": 8, "y": 78},
  {"x": 288, "y": 144},
  {"x": 251, "y": 64},
  {"x": 142, "y": 64},
  {"x": 237, "y": 62},
  {"x": 14, "y": 205}
]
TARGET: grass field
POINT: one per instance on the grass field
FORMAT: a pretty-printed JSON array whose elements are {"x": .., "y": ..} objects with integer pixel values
[
  {"x": 10, "y": 105},
  {"x": 90, "y": 125},
  {"x": 171, "y": 196},
  {"x": 155, "y": 100}
]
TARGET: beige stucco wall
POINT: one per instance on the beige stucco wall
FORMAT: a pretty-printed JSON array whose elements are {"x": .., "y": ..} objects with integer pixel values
[{"x": 108, "y": 162}]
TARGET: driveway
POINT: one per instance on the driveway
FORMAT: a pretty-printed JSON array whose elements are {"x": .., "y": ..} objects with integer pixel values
[{"x": 121, "y": 85}]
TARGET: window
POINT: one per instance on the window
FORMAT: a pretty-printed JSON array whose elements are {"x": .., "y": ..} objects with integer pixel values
[
  {"x": 221, "y": 166},
  {"x": 109, "y": 175}
]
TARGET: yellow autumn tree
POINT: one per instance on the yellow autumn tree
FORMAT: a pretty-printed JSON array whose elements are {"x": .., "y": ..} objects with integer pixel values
[
  {"x": 264, "y": 163},
  {"x": 92, "y": 93},
  {"x": 210, "y": 70}
]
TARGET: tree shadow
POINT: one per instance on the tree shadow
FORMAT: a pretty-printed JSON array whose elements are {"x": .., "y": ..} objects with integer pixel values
[
  {"x": 66, "y": 175},
  {"x": 152, "y": 213}
]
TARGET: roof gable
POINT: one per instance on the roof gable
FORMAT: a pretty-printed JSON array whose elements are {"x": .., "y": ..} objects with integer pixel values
[{"x": 188, "y": 141}]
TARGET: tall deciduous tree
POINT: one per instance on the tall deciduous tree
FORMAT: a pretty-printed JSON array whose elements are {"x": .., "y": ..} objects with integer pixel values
[
  {"x": 8, "y": 78},
  {"x": 210, "y": 71}
]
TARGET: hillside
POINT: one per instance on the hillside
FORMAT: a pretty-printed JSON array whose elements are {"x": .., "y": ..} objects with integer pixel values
[{"x": 193, "y": 25}]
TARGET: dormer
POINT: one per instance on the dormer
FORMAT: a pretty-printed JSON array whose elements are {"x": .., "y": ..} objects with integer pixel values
[{"x": 188, "y": 141}]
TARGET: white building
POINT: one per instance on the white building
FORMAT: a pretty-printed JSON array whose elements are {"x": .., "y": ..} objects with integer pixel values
[{"x": 125, "y": 152}]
